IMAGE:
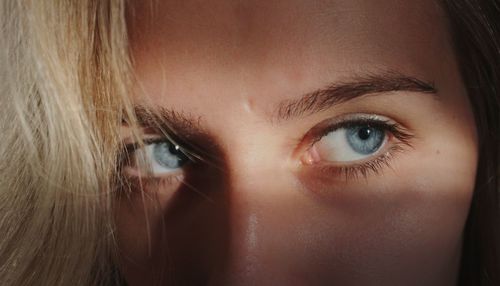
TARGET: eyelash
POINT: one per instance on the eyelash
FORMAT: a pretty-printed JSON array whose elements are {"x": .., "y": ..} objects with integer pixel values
[
  {"x": 372, "y": 166},
  {"x": 349, "y": 172}
]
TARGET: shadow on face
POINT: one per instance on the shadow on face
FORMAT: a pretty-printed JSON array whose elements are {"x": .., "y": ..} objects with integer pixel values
[{"x": 310, "y": 143}]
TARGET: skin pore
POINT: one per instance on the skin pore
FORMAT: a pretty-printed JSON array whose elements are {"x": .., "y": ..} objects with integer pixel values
[{"x": 264, "y": 93}]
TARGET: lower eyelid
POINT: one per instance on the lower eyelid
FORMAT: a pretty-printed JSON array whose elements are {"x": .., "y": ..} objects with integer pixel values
[
  {"x": 153, "y": 184},
  {"x": 136, "y": 172}
]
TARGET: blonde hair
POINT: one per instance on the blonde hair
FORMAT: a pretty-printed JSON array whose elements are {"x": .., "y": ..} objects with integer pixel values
[
  {"x": 63, "y": 88},
  {"x": 64, "y": 78}
]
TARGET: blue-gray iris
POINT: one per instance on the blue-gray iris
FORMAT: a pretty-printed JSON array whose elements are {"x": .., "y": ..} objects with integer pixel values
[
  {"x": 169, "y": 155},
  {"x": 365, "y": 139}
]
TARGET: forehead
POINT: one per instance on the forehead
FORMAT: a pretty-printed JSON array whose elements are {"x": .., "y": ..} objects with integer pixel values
[{"x": 278, "y": 49}]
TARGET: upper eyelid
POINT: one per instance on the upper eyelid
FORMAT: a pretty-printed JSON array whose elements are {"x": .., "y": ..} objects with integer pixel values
[
  {"x": 131, "y": 147},
  {"x": 329, "y": 125},
  {"x": 355, "y": 122}
]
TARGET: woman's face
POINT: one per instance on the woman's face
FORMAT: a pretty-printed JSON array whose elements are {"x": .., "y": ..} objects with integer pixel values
[{"x": 328, "y": 142}]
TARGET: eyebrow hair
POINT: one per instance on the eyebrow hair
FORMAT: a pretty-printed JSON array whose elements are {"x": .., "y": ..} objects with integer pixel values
[
  {"x": 184, "y": 125},
  {"x": 325, "y": 98},
  {"x": 167, "y": 122}
]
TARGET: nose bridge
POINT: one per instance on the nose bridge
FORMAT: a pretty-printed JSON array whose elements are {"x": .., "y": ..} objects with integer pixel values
[
  {"x": 247, "y": 231},
  {"x": 259, "y": 225},
  {"x": 256, "y": 180},
  {"x": 249, "y": 184}
]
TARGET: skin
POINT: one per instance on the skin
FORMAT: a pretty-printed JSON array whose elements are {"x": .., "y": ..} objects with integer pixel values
[{"x": 259, "y": 213}]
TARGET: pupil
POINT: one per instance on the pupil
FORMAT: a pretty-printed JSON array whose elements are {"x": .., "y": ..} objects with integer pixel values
[
  {"x": 173, "y": 150},
  {"x": 364, "y": 139},
  {"x": 364, "y": 133},
  {"x": 181, "y": 157}
]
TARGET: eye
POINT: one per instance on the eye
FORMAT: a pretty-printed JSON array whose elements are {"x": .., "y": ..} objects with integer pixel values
[
  {"x": 351, "y": 143},
  {"x": 356, "y": 144},
  {"x": 156, "y": 158}
]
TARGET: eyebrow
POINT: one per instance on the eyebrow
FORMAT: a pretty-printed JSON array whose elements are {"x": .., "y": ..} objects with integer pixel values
[
  {"x": 168, "y": 121},
  {"x": 340, "y": 92},
  {"x": 185, "y": 125}
]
